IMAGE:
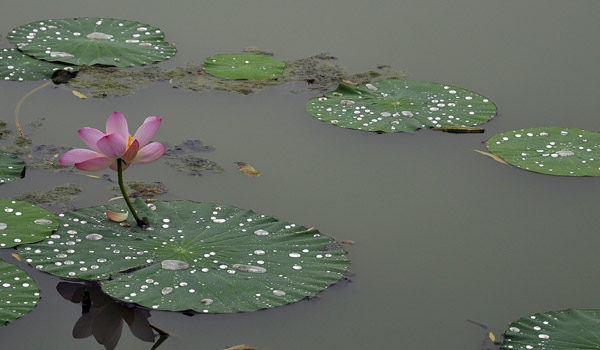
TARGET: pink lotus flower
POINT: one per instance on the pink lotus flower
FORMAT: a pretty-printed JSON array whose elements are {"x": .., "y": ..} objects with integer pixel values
[{"x": 116, "y": 142}]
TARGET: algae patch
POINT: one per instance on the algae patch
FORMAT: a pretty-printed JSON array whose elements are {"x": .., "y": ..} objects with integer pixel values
[
  {"x": 187, "y": 146},
  {"x": 58, "y": 196},
  {"x": 194, "y": 165},
  {"x": 317, "y": 71},
  {"x": 143, "y": 189}
]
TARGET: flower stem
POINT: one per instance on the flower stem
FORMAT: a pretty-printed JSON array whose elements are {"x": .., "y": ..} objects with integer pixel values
[{"x": 139, "y": 221}]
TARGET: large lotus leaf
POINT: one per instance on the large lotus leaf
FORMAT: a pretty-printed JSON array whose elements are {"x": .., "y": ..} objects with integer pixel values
[
  {"x": 11, "y": 167},
  {"x": 89, "y": 41},
  {"x": 18, "y": 292},
  {"x": 22, "y": 222},
  {"x": 550, "y": 150},
  {"x": 555, "y": 330},
  {"x": 401, "y": 105},
  {"x": 243, "y": 66},
  {"x": 200, "y": 256},
  {"x": 16, "y": 66}
]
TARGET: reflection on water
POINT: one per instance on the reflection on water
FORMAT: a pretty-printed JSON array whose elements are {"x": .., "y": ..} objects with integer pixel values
[{"x": 102, "y": 316}]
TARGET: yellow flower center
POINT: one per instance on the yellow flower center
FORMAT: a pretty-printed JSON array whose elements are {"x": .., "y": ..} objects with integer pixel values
[{"x": 129, "y": 140}]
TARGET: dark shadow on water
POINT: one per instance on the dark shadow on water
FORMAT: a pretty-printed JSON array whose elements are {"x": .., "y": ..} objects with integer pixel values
[{"x": 102, "y": 316}]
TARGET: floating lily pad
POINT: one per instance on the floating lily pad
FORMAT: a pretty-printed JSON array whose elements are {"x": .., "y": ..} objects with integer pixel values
[
  {"x": 11, "y": 167},
  {"x": 18, "y": 292},
  {"x": 14, "y": 65},
  {"x": 89, "y": 41},
  {"x": 243, "y": 66},
  {"x": 22, "y": 222},
  {"x": 401, "y": 105},
  {"x": 555, "y": 330},
  {"x": 199, "y": 256},
  {"x": 550, "y": 150}
]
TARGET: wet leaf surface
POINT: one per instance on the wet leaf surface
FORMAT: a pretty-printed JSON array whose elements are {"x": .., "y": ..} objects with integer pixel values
[
  {"x": 555, "y": 330},
  {"x": 91, "y": 41},
  {"x": 22, "y": 222},
  {"x": 14, "y": 65},
  {"x": 18, "y": 292},
  {"x": 196, "y": 256},
  {"x": 550, "y": 150},
  {"x": 401, "y": 105}
]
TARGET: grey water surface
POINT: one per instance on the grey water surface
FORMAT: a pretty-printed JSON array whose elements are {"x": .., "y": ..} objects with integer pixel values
[{"x": 441, "y": 233}]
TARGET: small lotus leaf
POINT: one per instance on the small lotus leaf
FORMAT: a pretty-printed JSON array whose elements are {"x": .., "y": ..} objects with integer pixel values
[
  {"x": 243, "y": 66},
  {"x": 14, "y": 65},
  {"x": 18, "y": 292},
  {"x": 11, "y": 167},
  {"x": 200, "y": 256},
  {"x": 550, "y": 150},
  {"x": 555, "y": 330},
  {"x": 22, "y": 222},
  {"x": 89, "y": 41},
  {"x": 401, "y": 105}
]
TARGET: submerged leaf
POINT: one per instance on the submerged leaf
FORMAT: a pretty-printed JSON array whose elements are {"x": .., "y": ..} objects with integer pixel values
[
  {"x": 247, "y": 169},
  {"x": 90, "y": 41},
  {"x": 11, "y": 167},
  {"x": 18, "y": 292},
  {"x": 199, "y": 256},
  {"x": 243, "y": 66},
  {"x": 401, "y": 105}
]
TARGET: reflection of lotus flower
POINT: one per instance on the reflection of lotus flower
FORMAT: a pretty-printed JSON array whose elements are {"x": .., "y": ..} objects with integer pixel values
[{"x": 116, "y": 142}]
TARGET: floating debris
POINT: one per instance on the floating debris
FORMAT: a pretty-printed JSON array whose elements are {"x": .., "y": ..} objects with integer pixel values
[
  {"x": 79, "y": 94},
  {"x": 247, "y": 169},
  {"x": 117, "y": 217}
]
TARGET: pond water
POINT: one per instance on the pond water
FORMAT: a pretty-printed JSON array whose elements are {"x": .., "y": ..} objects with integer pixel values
[{"x": 441, "y": 234}]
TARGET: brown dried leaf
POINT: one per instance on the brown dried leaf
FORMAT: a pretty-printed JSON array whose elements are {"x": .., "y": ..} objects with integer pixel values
[
  {"x": 461, "y": 129},
  {"x": 493, "y": 156},
  {"x": 349, "y": 82},
  {"x": 16, "y": 256},
  {"x": 79, "y": 94},
  {"x": 117, "y": 217},
  {"x": 247, "y": 169},
  {"x": 241, "y": 347}
]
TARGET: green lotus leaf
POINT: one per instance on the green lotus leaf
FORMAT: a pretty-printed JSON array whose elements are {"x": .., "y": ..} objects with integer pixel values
[
  {"x": 11, "y": 167},
  {"x": 243, "y": 66},
  {"x": 199, "y": 256},
  {"x": 14, "y": 65},
  {"x": 89, "y": 41},
  {"x": 22, "y": 222},
  {"x": 401, "y": 105},
  {"x": 550, "y": 150},
  {"x": 18, "y": 292},
  {"x": 555, "y": 330}
]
